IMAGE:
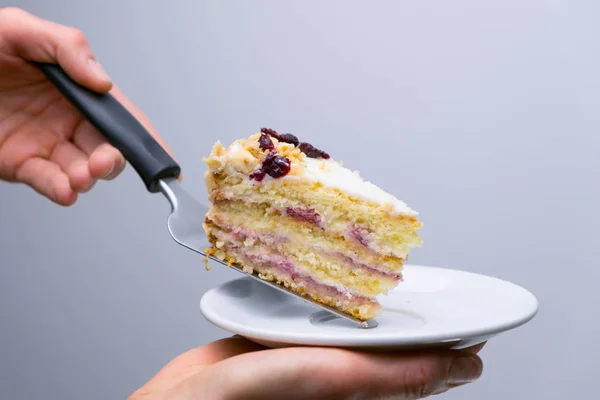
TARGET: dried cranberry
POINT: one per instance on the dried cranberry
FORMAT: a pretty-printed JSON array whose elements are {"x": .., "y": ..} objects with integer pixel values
[
  {"x": 265, "y": 142},
  {"x": 289, "y": 138},
  {"x": 276, "y": 166},
  {"x": 258, "y": 175},
  {"x": 270, "y": 132},
  {"x": 283, "y": 137},
  {"x": 311, "y": 151}
]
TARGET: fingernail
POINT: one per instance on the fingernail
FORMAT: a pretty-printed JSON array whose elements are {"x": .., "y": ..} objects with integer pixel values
[
  {"x": 464, "y": 369},
  {"x": 110, "y": 171},
  {"x": 98, "y": 70}
]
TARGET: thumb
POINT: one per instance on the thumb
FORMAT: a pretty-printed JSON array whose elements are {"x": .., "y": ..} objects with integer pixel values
[{"x": 34, "y": 39}]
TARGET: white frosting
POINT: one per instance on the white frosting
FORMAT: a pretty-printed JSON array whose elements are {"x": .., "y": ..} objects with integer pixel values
[{"x": 332, "y": 174}]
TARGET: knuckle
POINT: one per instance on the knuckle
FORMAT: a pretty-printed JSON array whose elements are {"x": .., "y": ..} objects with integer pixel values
[
  {"x": 11, "y": 13},
  {"x": 9, "y": 16},
  {"x": 421, "y": 382},
  {"x": 76, "y": 36}
]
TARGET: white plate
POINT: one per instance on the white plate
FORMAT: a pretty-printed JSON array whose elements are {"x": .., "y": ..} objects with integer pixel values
[{"x": 433, "y": 307}]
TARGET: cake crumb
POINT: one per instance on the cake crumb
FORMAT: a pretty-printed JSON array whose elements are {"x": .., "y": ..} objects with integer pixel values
[
  {"x": 230, "y": 261},
  {"x": 209, "y": 252}
]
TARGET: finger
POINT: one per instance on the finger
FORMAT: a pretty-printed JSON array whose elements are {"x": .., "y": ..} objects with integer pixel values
[
  {"x": 87, "y": 138},
  {"x": 47, "y": 179},
  {"x": 36, "y": 39},
  {"x": 105, "y": 162},
  {"x": 333, "y": 373},
  {"x": 193, "y": 360},
  {"x": 74, "y": 163}
]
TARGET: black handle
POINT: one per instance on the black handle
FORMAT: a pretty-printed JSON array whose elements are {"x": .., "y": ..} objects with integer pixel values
[{"x": 119, "y": 127}]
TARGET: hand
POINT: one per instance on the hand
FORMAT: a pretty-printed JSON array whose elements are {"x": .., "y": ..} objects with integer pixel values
[
  {"x": 235, "y": 368},
  {"x": 44, "y": 141}
]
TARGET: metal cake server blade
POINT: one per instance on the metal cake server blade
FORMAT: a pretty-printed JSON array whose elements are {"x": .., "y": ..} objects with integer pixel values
[{"x": 156, "y": 168}]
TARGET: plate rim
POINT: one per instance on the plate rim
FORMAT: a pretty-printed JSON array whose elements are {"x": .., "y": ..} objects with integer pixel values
[{"x": 299, "y": 338}]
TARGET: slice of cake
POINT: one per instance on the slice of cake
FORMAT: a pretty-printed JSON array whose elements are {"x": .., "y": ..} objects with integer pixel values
[{"x": 285, "y": 211}]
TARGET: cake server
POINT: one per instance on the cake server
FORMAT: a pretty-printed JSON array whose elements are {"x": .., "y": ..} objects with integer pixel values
[{"x": 156, "y": 168}]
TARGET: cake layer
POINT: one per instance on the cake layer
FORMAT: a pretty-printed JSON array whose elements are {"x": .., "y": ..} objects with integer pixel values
[
  {"x": 333, "y": 211},
  {"x": 332, "y": 269},
  {"x": 279, "y": 271},
  {"x": 269, "y": 222}
]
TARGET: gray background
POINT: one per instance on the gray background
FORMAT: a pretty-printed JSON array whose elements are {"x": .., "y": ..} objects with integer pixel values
[{"x": 483, "y": 116}]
